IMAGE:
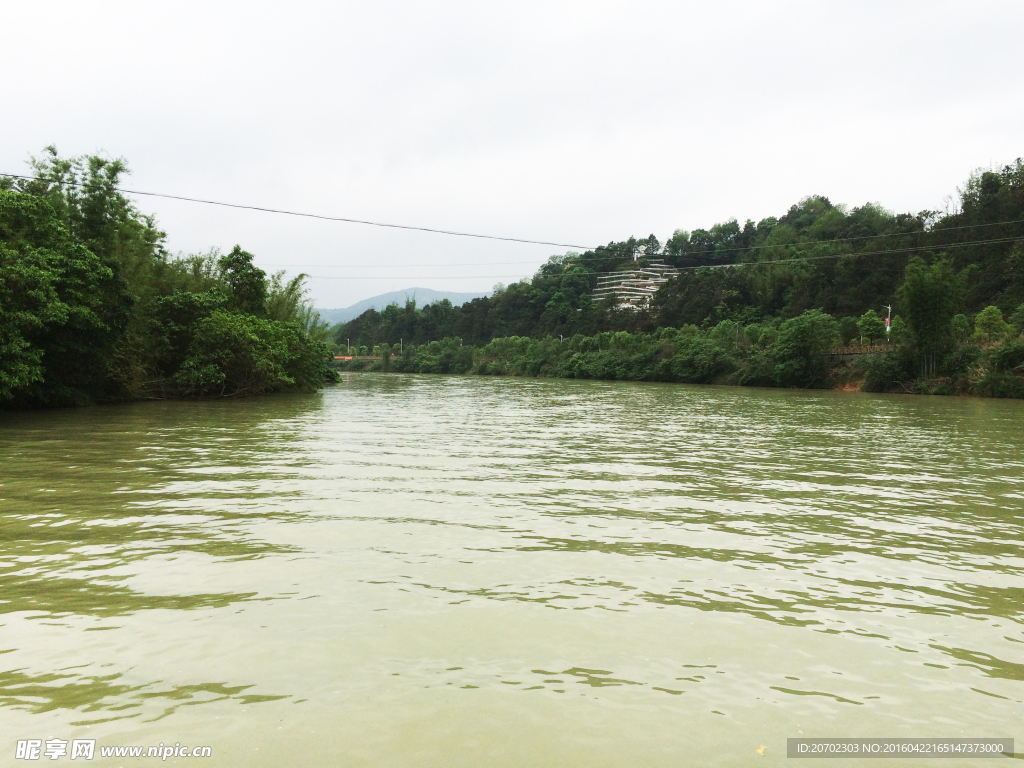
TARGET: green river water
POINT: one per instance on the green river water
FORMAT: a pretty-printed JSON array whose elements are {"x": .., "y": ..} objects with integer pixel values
[{"x": 444, "y": 571}]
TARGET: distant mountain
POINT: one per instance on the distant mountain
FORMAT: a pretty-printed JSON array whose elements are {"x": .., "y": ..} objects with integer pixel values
[{"x": 422, "y": 296}]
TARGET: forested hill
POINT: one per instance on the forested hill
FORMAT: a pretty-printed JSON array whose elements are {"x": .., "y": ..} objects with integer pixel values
[{"x": 842, "y": 261}]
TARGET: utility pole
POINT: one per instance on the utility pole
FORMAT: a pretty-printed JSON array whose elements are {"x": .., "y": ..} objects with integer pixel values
[
  {"x": 401, "y": 346},
  {"x": 348, "y": 345}
]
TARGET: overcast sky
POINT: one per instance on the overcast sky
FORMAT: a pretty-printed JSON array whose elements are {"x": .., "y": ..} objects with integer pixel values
[{"x": 571, "y": 122}]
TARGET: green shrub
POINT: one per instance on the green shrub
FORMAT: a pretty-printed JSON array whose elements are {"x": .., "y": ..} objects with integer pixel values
[
  {"x": 961, "y": 359},
  {"x": 885, "y": 371},
  {"x": 999, "y": 384},
  {"x": 1009, "y": 356},
  {"x": 801, "y": 348},
  {"x": 235, "y": 354},
  {"x": 700, "y": 361}
]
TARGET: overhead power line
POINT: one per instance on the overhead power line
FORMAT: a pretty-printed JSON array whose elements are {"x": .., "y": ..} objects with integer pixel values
[
  {"x": 401, "y": 266},
  {"x": 417, "y": 277},
  {"x": 598, "y": 249},
  {"x": 767, "y": 262},
  {"x": 854, "y": 254},
  {"x": 318, "y": 216}
]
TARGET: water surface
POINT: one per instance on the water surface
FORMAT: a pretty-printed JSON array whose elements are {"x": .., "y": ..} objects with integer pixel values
[{"x": 418, "y": 571}]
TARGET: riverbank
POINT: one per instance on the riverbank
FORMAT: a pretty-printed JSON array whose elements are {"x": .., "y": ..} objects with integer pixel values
[{"x": 792, "y": 357}]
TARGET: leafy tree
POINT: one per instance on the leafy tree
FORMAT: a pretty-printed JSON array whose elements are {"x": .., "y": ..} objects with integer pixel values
[
  {"x": 899, "y": 333},
  {"x": 177, "y": 317},
  {"x": 246, "y": 282},
  {"x": 997, "y": 268},
  {"x": 961, "y": 328},
  {"x": 989, "y": 325},
  {"x": 284, "y": 300},
  {"x": 802, "y": 347},
  {"x": 83, "y": 193},
  {"x": 57, "y": 338},
  {"x": 752, "y": 333},
  {"x": 1009, "y": 356},
  {"x": 725, "y": 335},
  {"x": 930, "y": 295},
  {"x": 1017, "y": 319},
  {"x": 848, "y": 329},
  {"x": 768, "y": 337},
  {"x": 871, "y": 326}
]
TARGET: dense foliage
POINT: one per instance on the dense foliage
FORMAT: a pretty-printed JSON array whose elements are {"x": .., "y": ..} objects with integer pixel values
[
  {"x": 769, "y": 303},
  {"x": 798, "y": 352},
  {"x": 92, "y": 308}
]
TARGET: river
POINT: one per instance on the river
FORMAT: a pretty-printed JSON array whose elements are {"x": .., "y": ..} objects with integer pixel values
[{"x": 445, "y": 571}]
